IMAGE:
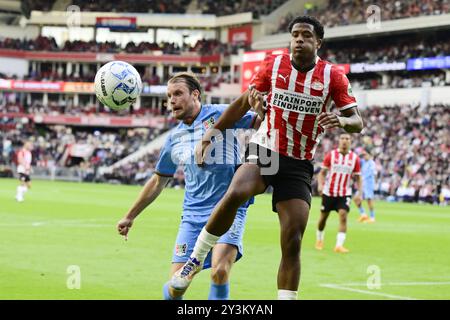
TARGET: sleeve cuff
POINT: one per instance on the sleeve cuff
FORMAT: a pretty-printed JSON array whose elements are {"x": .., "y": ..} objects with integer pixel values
[
  {"x": 348, "y": 106},
  {"x": 164, "y": 174}
]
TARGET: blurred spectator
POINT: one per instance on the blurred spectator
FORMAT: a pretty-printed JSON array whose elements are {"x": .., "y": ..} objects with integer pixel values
[{"x": 346, "y": 12}]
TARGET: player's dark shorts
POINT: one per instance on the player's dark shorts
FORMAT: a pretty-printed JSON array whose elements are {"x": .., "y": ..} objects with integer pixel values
[
  {"x": 292, "y": 180},
  {"x": 24, "y": 177},
  {"x": 335, "y": 203}
]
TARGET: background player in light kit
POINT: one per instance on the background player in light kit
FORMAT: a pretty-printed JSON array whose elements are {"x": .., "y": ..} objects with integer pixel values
[{"x": 368, "y": 173}]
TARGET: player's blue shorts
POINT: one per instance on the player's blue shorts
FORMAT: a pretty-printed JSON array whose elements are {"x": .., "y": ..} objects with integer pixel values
[{"x": 190, "y": 228}]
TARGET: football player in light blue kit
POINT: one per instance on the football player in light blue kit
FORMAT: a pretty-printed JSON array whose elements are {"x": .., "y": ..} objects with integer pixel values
[
  {"x": 204, "y": 186},
  {"x": 368, "y": 172}
]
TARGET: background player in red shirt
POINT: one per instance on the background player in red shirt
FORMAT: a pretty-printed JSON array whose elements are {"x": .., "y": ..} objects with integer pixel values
[
  {"x": 24, "y": 159},
  {"x": 339, "y": 167},
  {"x": 299, "y": 88}
]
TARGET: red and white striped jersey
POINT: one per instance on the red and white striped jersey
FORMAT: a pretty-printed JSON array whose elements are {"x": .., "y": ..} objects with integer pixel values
[
  {"x": 340, "y": 170},
  {"x": 295, "y": 100},
  {"x": 24, "y": 158}
]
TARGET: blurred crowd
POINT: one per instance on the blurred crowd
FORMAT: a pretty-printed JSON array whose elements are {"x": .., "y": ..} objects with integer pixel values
[
  {"x": 41, "y": 43},
  {"x": 228, "y": 7},
  {"x": 388, "y": 49},
  {"x": 346, "y": 12},
  {"x": 58, "y": 147},
  {"x": 399, "y": 80},
  {"x": 410, "y": 146},
  {"x": 217, "y": 7}
]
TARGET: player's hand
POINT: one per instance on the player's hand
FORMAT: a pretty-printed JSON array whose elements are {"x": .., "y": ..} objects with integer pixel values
[
  {"x": 200, "y": 151},
  {"x": 124, "y": 225},
  {"x": 256, "y": 101},
  {"x": 328, "y": 120},
  {"x": 320, "y": 189}
]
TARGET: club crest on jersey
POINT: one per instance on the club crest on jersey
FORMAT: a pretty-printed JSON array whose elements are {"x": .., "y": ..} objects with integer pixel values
[
  {"x": 209, "y": 123},
  {"x": 180, "y": 249},
  {"x": 316, "y": 85}
]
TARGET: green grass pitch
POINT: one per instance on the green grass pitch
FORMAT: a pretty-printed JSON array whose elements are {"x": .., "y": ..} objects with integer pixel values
[{"x": 69, "y": 224}]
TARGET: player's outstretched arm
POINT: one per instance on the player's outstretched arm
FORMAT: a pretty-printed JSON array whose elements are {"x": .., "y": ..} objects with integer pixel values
[
  {"x": 256, "y": 101},
  {"x": 350, "y": 120},
  {"x": 235, "y": 111},
  {"x": 149, "y": 193}
]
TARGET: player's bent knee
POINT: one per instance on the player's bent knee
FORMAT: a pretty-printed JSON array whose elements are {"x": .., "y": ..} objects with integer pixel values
[{"x": 220, "y": 274}]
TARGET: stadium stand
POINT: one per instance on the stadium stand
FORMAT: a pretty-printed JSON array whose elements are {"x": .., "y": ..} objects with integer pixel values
[
  {"x": 395, "y": 133},
  {"x": 341, "y": 13}
]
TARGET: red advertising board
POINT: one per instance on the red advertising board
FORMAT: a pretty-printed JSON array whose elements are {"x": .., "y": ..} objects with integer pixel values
[
  {"x": 103, "y": 121},
  {"x": 252, "y": 61},
  {"x": 241, "y": 34}
]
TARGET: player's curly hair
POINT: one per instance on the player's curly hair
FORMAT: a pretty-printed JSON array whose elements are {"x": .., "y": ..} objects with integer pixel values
[
  {"x": 190, "y": 79},
  {"x": 318, "y": 27}
]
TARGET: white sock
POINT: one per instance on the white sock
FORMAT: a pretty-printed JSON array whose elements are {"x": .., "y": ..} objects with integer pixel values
[
  {"x": 24, "y": 189},
  {"x": 340, "y": 239},
  {"x": 287, "y": 295},
  {"x": 205, "y": 242},
  {"x": 19, "y": 193},
  {"x": 320, "y": 235}
]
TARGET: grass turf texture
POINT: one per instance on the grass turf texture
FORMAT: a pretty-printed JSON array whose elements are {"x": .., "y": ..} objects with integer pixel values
[{"x": 65, "y": 224}]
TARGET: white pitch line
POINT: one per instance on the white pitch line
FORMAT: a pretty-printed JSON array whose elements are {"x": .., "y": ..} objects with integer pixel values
[
  {"x": 339, "y": 287},
  {"x": 397, "y": 284}
]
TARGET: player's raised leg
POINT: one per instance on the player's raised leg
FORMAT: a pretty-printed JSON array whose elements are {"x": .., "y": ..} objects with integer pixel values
[
  {"x": 223, "y": 258},
  {"x": 320, "y": 233},
  {"x": 246, "y": 183},
  {"x": 293, "y": 215},
  {"x": 342, "y": 232}
]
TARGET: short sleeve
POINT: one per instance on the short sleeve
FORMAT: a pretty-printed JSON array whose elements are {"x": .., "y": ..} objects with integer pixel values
[
  {"x": 327, "y": 161},
  {"x": 341, "y": 90},
  {"x": 262, "y": 78},
  {"x": 357, "y": 168},
  {"x": 165, "y": 166},
  {"x": 246, "y": 122}
]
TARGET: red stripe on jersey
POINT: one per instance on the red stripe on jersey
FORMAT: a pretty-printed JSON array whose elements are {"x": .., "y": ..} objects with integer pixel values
[
  {"x": 309, "y": 121},
  {"x": 297, "y": 134},
  {"x": 282, "y": 82}
]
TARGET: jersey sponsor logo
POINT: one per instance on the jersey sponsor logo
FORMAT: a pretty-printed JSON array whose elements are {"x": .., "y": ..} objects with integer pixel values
[
  {"x": 209, "y": 123},
  {"x": 340, "y": 168},
  {"x": 180, "y": 249},
  {"x": 298, "y": 102}
]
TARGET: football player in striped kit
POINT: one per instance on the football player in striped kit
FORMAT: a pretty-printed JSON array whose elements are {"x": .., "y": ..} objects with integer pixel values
[
  {"x": 339, "y": 168},
  {"x": 24, "y": 159},
  {"x": 299, "y": 87}
]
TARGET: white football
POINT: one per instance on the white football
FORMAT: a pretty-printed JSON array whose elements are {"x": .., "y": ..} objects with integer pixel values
[{"x": 117, "y": 85}]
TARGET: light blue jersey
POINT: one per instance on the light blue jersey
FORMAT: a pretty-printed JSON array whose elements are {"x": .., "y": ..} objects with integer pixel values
[
  {"x": 368, "y": 172},
  {"x": 205, "y": 186}
]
